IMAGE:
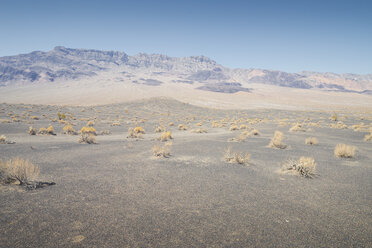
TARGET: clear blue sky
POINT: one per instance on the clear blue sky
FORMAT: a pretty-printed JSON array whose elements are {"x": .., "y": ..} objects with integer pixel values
[{"x": 334, "y": 36}]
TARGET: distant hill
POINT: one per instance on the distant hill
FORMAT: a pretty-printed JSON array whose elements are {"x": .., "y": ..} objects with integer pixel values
[{"x": 63, "y": 64}]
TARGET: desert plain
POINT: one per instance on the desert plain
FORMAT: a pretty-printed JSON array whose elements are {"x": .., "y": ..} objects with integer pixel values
[{"x": 119, "y": 192}]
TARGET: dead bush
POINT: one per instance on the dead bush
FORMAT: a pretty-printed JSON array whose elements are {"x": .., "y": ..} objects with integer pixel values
[
  {"x": 87, "y": 138},
  {"x": 162, "y": 150},
  {"x": 236, "y": 157},
  {"x": 17, "y": 169},
  {"x": 344, "y": 151},
  {"x": 32, "y": 131},
  {"x": 311, "y": 141},
  {"x": 305, "y": 166},
  {"x": 68, "y": 129},
  {"x": 276, "y": 141}
]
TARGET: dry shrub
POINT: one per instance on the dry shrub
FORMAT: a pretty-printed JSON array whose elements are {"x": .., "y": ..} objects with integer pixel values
[
  {"x": 87, "y": 138},
  {"x": 339, "y": 125},
  {"x": 199, "y": 124},
  {"x": 334, "y": 117},
  {"x": 276, "y": 141},
  {"x": 199, "y": 130},
  {"x": 234, "y": 127},
  {"x": 17, "y": 169},
  {"x": 68, "y": 129},
  {"x": 3, "y": 140},
  {"x": 162, "y": 150},
  {"x": 133, "y": 134},
  {"x": 165, "y": 136},
  {"x": 61, "y": 116},
  {"x": 90, "y": 124},
  {"x": 182, "y": 127},
  {"x": 311, "y": 141},
  {"x": 297, "y": 128},
  {"x": 159, "y": 129},
  {"x": 254, "y": 132},
  {"x": 243, "y": 126},
  {"x": 305, "y": 166},
  {"x": 368, "y": 137},
  {"x": 105, "y": 132},
  {"x": 116, "y": 123},
  {"x": 240, "y": 138},
  {"x": 215, "y": 124},
  {"x": 344, "y": 151},
  {"x": 236, "y": 157},
  {"x": 34, "y": 118},
  {"x": 88, "y": 130},
  {"x": 49, "y": 130},
  {"x": 139, "y": 130},
  {"x": 171, "y": 124}
]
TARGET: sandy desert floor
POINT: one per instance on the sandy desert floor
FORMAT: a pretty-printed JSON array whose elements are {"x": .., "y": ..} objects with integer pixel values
[{"x": 117, "y": 194}]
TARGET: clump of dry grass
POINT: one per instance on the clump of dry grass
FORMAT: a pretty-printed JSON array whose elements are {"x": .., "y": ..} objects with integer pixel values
[
  {"x": 215, "y": 124},
  {"x": 165, "y": 136},
  {"x": 49, "y": 130},
  {"x": 90, "y": 124},
  {"x": 305, "y": 166},
  {"x": 234, "y": 127},
  {"x": 297, "y": 128},
  {"x": 311, "y": 141},
  {"x": 344, "y": 151},
  {"x": 61, "y": 116},
  {"x": 17, "y": 169},
  {"x": 159, "y": 129},
  {"x": 338, "y": 125},
  {"x": 171, "y": 124},
  {"x": 243, "y": 126},
  {"x": 87, "y": 138},
  {"x": 199, "y": 130},
  {"x": 240, "y": 138},
  {"x": 368, "y": 137},
  {"x": 334, "y": 117},
  {"x": 162, "y": 150},
  {"x": 182, "y": 127},
  {"x": 276, "y": 141},
  {"x": 88, "y": 130},
  {"x": 32, "y": 131},
  {"x": 254, "y": 132},
  {"x": 135, "y": 132},
  {"x": 105, "y": 132},
  {"x": 3, "y": 140},
  {"x": 35, "y": 118},
  {"x": 68, "y": 129},
  {"x": 115, "y": 124},
  {"x": 236, "y": 157}
]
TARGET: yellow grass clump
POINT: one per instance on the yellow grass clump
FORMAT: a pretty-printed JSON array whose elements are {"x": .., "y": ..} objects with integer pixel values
[
  {"x": 311, "y": 141},
  {"x": 139, "y": 130},
  {"x": 162, "y": 150},
  {"x": 276, "y": 141},
  {"x": 17, "y": 169},
  {"x": 182, "y": 127},
  {"x": 171, "y": 124},
  {"x": 334, "y": 117},
  {"x": 34, "y": 118},
  {"x": 233, "y": 127},
  {"x": 297, "y": 128},
  {"x": 236, "y": 157},
  {"x": 32, "y": 131},
  {"x": 49, "y": 130},
  {"x": 68, "y": 129},
  {"x": 344, "y": 151},
  {"x": 90, "y": 124},
  {"x": 159, "y": 129},
  {"x": 199, "y": 130},
  {"x": 165, "y": 136},
  {"x": 243, "y": 126}
]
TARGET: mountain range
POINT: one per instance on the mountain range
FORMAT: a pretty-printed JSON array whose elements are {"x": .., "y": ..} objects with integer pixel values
[{"x": 64, "y": 64}]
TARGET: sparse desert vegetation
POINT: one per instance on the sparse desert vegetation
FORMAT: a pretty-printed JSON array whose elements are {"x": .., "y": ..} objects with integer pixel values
[
  {"x": 193, "y": 161},
  {"x": 19, "y": 170},
  {"x": 311, "y": 141},
  {"x": 344, "y": 151},
  {"x": 236, "y": 157},
  {"x": 277, "y": 141},
  {"x": 304, "y": 166},
  {"x": 162, "y": 150}
]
